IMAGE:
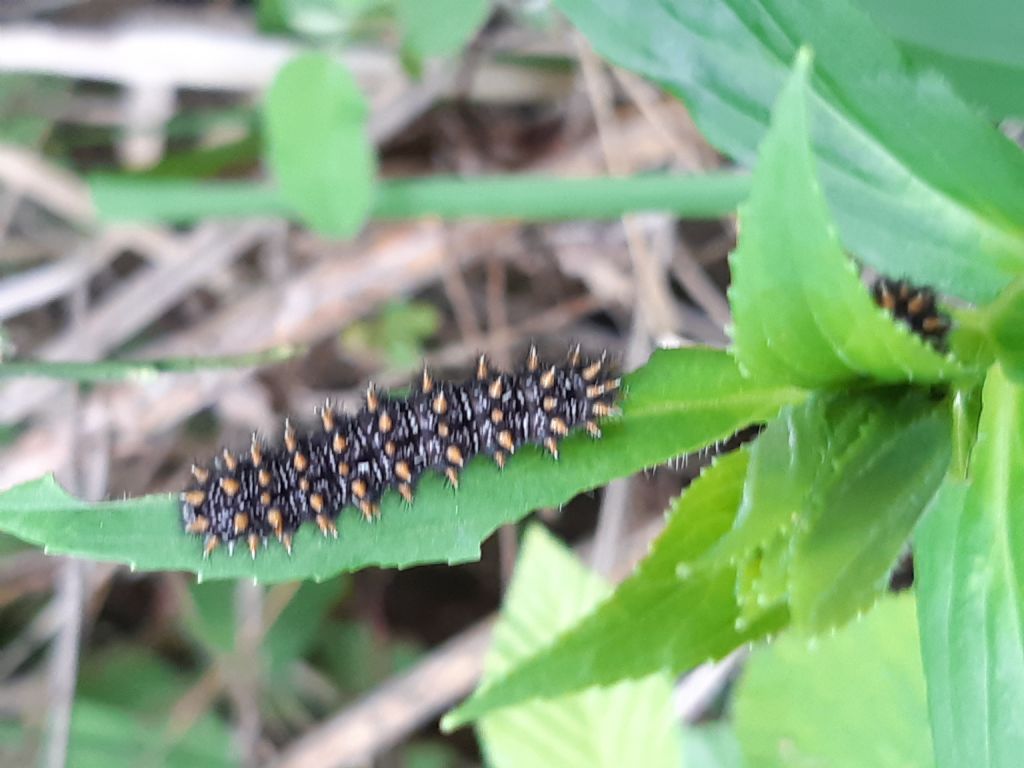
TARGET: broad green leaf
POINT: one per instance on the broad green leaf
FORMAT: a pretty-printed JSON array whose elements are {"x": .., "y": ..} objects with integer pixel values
[
  {"x": 851, "y": 700},
  {"x": 794, "y": 454},
  {"x": 1006, "y": 330},
  {"x": 318, "y": 144},
  {"x": 801, "y": 313},
  {"x": 440, "y": 27},
  {"x": 631, "y": 723},
  {"x": 113, "y": 370},
  {"x": 680, "y": 401},
  {"x": 656, "y": 619},
  {"x": 976, "y": 45},
  {"x": 920, "y": 185},
  {"x": 864, "y": 513},
  {"x": 969, "y": 578}
]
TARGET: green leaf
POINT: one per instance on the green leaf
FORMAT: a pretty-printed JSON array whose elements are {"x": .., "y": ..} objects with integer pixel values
[
  {"x": 656, "y": 619},
  {"x": 318, "y": 144},
  {"x": 920, "y": 185},
  {"x": 977, "y": 46},
  {"x": 969, "y": 577},
  {"x": 132, "y": 677},
  {"x": 113, "y": 370},
  {"x": 864, "y": 513},
  {"x": 851, "y": 700},
  {"x": 440, "y": 27},
  {"x": 762, "y": 578},
  {"x": 213, "y": 621},
  {"x": 796, "y": 452},
  {"x": 1005, "y": 326},
  {"x": 297, "y": 627},
  {"x": 352, "y": 654},
  {"x": 785, "y": 460},
  {"x": 801, "y": 313},
  {"x": 834, "y": 488},
  {"x": 680, "y": 401},
  {"x": 103, "y": 736},
  {"x": 549, "y": 593},
  {"x": 396, "y": 333},
  {"x": 713, "y": 745}
]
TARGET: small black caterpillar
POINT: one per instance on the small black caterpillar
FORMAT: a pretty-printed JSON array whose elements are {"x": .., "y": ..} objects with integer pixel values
[
  {"x": 388, "y": 444},
  {"x": 913, "y": 305}
]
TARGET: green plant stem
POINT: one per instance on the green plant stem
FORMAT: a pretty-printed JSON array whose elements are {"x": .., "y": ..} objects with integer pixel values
[
  {"x": 112, "y": 370},
  {"x": 531, "y": 198}
]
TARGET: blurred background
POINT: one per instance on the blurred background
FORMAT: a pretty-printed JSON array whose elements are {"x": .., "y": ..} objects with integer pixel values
[{"x": 159, "y": 670}]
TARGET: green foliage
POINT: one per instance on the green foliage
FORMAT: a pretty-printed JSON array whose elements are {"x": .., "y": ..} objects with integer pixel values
[
  {"x": 1003, "y": 326},
  {"x": 976, "y": 45},
  {"x": 587, "y": 727},
  {"x": 397, "y": 333},
  {"x": 920, "y": 185},
  {"x": 711, "y": 746},
  {"x": 862, "y": 515},
  {"x": 439, "y": 28},
  {"x": 834, "y": 332},
  {"x": 120, "y": 717},
  {"x": 656, "y": 619},
  {"x": 854, "y": 699},
  {"x": 866, "y": 426},
  {"x": 811, "y": 530},
  {"x": 102, "y": 736},
  {"x": 969, "y": 570},
  {"x": 834, "y": 489},
  {"x": 318, "y": 144},
  {"x": 679, "y": 401}
]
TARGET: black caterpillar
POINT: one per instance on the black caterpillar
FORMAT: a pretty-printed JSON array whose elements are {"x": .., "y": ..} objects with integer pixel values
[
  {"x": 389, "y": 444},
  {"x": 913, "y": 305}
]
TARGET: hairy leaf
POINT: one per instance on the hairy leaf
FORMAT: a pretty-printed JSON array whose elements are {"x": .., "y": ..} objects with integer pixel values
[{"x": 680, "y": 401}]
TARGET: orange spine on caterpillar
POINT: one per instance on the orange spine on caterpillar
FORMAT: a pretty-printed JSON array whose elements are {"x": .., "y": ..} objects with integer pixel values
[
  {"x": 915, "y": 306},
  {"x": 388, "y": 444}
]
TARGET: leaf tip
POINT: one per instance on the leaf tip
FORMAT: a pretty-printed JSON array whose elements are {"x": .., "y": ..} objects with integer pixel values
[{"x": 454, "y": 720}]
